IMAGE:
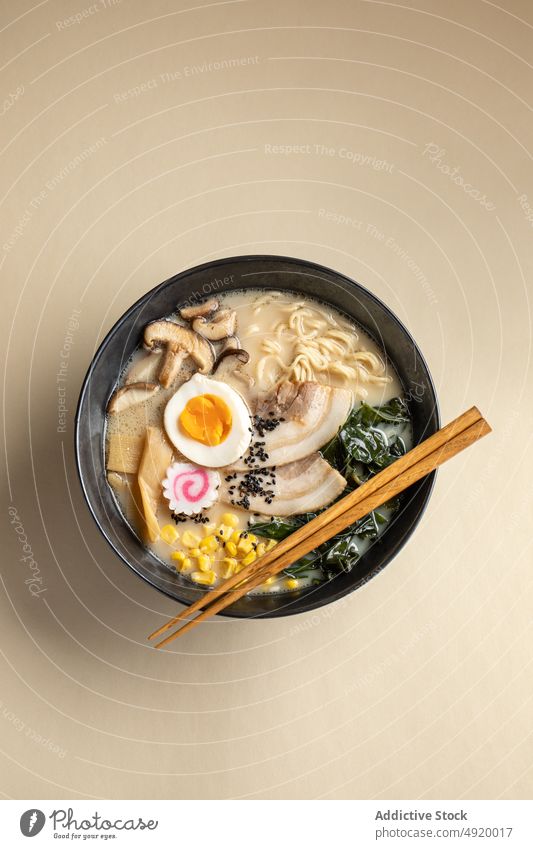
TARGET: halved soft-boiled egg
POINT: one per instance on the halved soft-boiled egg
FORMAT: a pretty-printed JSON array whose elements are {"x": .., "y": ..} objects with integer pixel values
[{"x": 208, "y": 422}]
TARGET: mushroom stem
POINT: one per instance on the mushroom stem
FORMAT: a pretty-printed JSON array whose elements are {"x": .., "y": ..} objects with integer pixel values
[
  {"x": 178, "y": 343},
  {"x": 229, "y": 364},
  {"x": 219, "y": 327},
  {"x": 172, "y": 362}
]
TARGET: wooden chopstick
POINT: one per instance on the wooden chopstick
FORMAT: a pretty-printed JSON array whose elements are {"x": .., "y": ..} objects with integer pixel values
[
  {"x": 405, "y": 479},
  {"x": 422, "y": 450},
  {"x": 417, "y": 463}
]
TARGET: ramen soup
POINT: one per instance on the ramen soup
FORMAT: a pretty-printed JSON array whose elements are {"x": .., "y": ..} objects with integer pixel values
[{"x": 238, "y": 420}]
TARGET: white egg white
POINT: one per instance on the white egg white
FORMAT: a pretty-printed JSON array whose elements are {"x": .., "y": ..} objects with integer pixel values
[{"x": 236, "y": 442}]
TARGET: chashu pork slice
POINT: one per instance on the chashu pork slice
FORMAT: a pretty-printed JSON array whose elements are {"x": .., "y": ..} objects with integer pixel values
[
  {"x": 300, "y": 487},
  {"x": 312, "y": 413}
]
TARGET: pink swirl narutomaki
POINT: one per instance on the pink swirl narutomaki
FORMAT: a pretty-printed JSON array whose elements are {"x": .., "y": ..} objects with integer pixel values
[{"x": 190, "y": 489}]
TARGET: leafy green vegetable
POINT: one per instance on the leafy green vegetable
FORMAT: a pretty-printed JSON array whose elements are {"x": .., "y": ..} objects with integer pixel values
[
  {"x": 395, "y": 412},
  {"x": 359, "y": 450},
  {"x": 339, "y": 554},
  {"x": 301, "y": 568},
  {"x": 360, "y": 442},
  {"x": 278, "y": 528},
  {"x": 367, "y": 445}
]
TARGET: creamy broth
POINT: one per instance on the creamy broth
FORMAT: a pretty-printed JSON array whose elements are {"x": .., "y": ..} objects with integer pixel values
[
  {"x": 261, "y": 332},
  {"x": 258, "y": 313}
]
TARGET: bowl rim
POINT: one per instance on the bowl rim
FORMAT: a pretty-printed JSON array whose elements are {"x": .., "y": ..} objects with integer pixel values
[{"x": 310, "y": 604}]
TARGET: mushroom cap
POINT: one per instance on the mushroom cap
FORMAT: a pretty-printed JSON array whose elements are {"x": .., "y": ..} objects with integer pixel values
[
  {"x": 222, "y": 324},
  {"x": 168, "y": 334},
  {"x": 241, "y": 355},
  {"x": 196, "y": 310},
  {"x": 230, "y": 365},
  {"x": 130, "y": 394},
  {"x": 162, "y": 334}
]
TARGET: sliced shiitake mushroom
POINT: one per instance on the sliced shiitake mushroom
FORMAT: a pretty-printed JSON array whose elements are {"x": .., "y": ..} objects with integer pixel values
[
  {"x": 230, "y": 344},
  {"x": 177, "y": 343},
  {"x": 239, "y": 353},
  {"x": 200, "y": 310},
  {"x": 220, "y": 326},
  {"x": 230, "y": 364},
  {"x": 132, "y": 393},
  {"x": 143, "y": 369}
]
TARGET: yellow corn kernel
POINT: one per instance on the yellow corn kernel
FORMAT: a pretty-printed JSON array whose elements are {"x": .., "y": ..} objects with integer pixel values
[
  {"x": 249, "y": 558},
  {"x": 204, "y": 562},
  {"x": 230, "y": 519},
  {"x": 261, "y": 548},
  {"x": 186, "y": 566},
  {"x": 169, "y": 534},
  {"x": 224, "y": 532},
  {"x": 244, "y": 546},
  {"x": 208, "y": 529},
  {"x": 206, "y": 578},
  {"x": 178, "y": 555},
  {"x": 209, "y": 543},
  {"x": 189, "y": 539},
  {"x": 194, "y": 552},
  {"x": 271, "y": 544},
  {"x": 235, "y": 537},
  {"x": 292, "y": 583},
  {"x": 229, "y": 565},
  {"x": 231, "y": 548},
  {"x": 251, "y": 537}
]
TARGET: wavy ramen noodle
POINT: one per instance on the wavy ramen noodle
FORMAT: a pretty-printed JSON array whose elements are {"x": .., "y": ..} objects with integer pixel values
[{"x": 311, "y": 344}]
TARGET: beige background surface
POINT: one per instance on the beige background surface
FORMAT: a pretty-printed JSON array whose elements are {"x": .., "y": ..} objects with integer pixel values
[{"x": 125, "y": 157}]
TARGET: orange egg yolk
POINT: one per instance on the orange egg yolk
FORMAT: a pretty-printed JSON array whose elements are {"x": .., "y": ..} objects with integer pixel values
[{"x": 206, "y": 418}]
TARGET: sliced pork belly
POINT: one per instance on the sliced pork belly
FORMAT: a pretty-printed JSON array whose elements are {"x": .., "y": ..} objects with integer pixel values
[
  {"x": 300, "y": 487},
  {"x": 294, "y": 422}
]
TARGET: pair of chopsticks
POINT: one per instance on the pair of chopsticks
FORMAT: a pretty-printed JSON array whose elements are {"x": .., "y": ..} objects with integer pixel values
[{"x": 416, "y": 464}]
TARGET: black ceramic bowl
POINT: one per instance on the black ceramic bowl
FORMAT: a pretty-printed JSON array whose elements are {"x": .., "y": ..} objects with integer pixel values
[{"x": 250, "y": 272}]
